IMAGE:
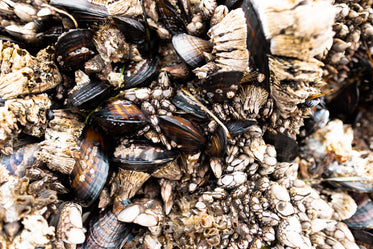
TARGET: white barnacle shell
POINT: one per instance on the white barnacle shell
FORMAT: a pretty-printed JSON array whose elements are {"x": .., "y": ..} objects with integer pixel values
[
  {"x": 69, "y": 228},
  {"x": 284, "y": 208},
  {"x": 279, "y": 193},
  {"x": 300, "y": 29},
  {"x": 36, "y": 232},
  {"x": 344, "y": 205},
  {"x": 229, "y": 42},
  {"x": 232, "y": 180},
  {"x": 255, "y": 147},
  {"x": 290, "y": 233}
]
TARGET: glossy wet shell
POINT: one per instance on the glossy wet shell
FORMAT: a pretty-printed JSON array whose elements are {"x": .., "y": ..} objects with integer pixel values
[
  {"x": 119, "y": 117},
  {"x": 191, "y": 49},
  {"x": 89, "y": 96},
  {"x": 74, "y": 48},
  {"x": 142, "y": 156},
  {"x": 183, "y": 132},
  {"x": 105, "y": 231},
  {"x": 91, "y": 169}
]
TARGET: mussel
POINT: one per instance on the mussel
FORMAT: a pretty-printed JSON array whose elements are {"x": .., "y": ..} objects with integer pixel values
[
  {"x": 133, "y": 29},
  {"x": 187, "y": 135},
  {"x": 89, "y": 96},
  {"x": 184, "y": 102},
  {"x": 191, "y": 49},
  {"x": 106, "y": 231},
  {"x": 256, "y": 42},
  {"x": 139, "y": 73},
  {"x": 81, "y": 7},
  {"x": 222, "y": 85},
  {"x": 119, "y": 116},
  {"x": 345, "y": 103},
  {"x": 237, "y": 127},
  {"x": 91, "y": 168},
  {"x": 363, "y": 217},
  {"x": 172, "y": 20},
  {"x": 143, "y": 156},
  {"x": 218, "y": 143},
  {"x": 73, "y": 48},
  {"x": 286, "y": 147}
]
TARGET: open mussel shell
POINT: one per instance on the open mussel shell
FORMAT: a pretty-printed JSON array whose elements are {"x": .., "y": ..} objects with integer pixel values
[
  {"x": 91, "y": 167},
  {"x": 183, "y": 132},
  {"x": 142, "y": 156},
  {"x": 286, "y": 147},
  {"x": 184, "y": 102},
  {"x": 140, "y": 73},
  {"x": 119, "y": 117},
  {"x": 106, "y": 231},
  {"x": 191, "y": 49},
  {"x": 222, "y": 85},
  {"x": 89, "y": 96},
  {"x": 74, "y": 48}
]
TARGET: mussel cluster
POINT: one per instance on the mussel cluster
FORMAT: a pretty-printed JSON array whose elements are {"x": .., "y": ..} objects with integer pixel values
[{"x": 183, "y": 124}]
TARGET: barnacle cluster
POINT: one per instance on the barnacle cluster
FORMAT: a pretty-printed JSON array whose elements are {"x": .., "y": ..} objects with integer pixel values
[{"x": 185, "y": 124}]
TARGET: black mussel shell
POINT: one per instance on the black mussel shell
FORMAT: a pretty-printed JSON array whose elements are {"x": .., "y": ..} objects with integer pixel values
[
  {"x": 81, "y": 8},
  {"x": 217, "y": 145},
  {"x": 91, "y": 168},
  {"x": 74, "y": 48},
  {"x": 309, "y": 103},
  {"x": 171, "y": 18},
  {"x": 187, "y": 135},
  {"x": 345, "y": 104},
  {"x": 363, "y": 237},
  {"x": 256, "y": 42},
  {"x": 222, "y": 85},
  {"x": 184, "y": 102},
  {"x": 363, "y": 186},
  {"x": 233, "y": 4},
  {"x": 106, "y": 231},
  {"x": 237, "y": 127},
  {"x": 140, "y": 73},
  {"x": 142, "y": 156},
  {"x": 89, "y": 96},
  {"x": 363, "y": 217},
  {"x": 191, "y": 49},
  {"x": 131, "y": 28},
  {"x": 119, "y": 117},
  {"x": 286, "y": 147}
]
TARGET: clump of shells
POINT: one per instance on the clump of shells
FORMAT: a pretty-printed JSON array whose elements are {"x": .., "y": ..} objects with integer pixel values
[{"x": 184, "y": 124}]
